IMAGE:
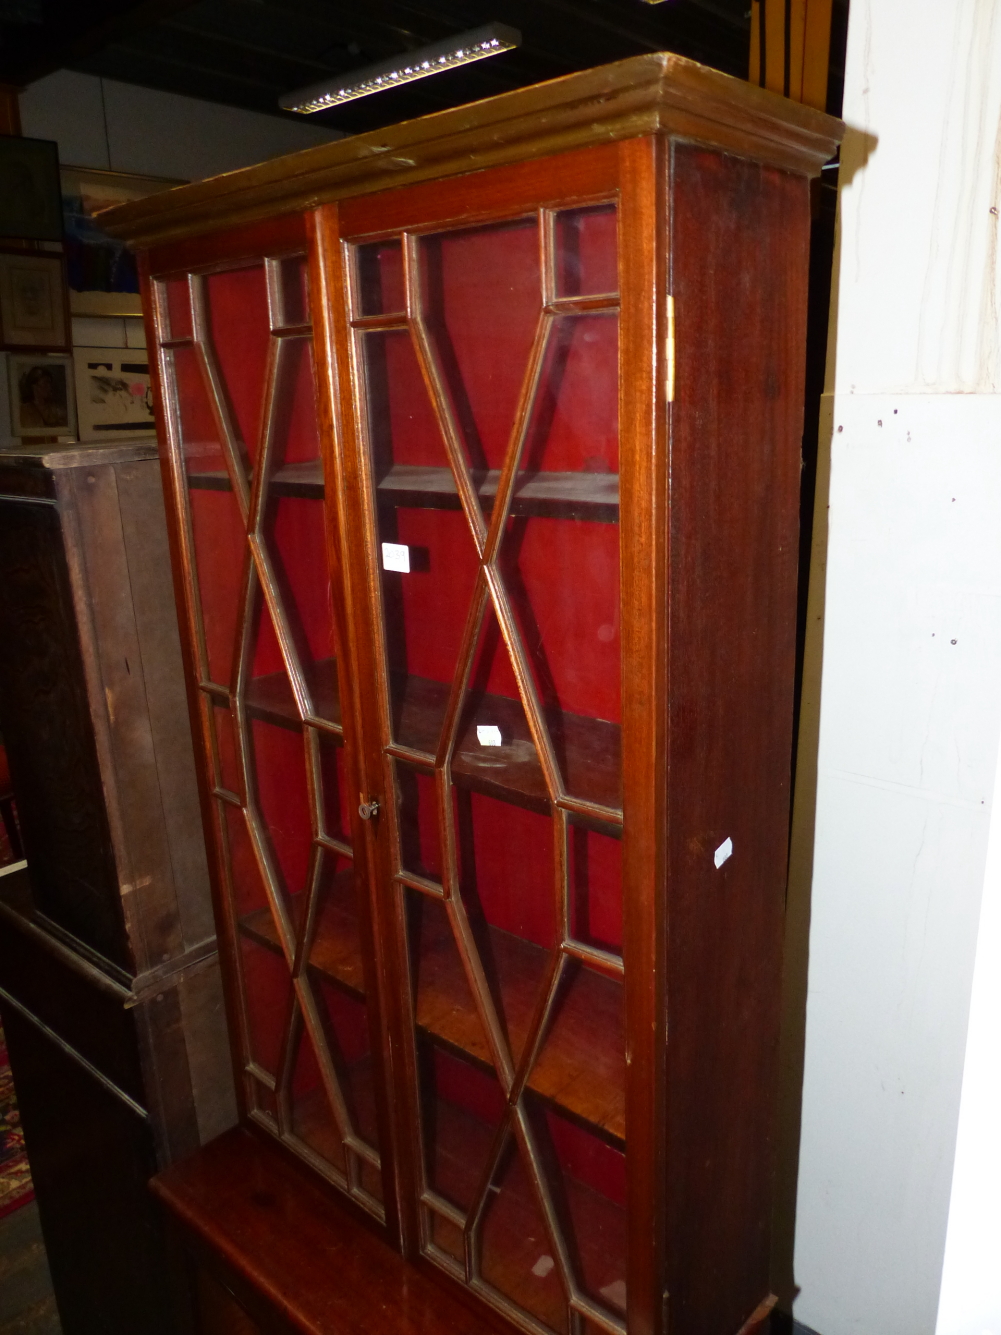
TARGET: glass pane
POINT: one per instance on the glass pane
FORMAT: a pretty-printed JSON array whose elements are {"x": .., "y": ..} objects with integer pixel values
[
  {"x": 335, "y": 952},
  {"x": 586, "y": 251},
  {"x": 495, "y": 751},
  {"x": 481, "y": 358},
  {"x": 239, "y": 337},
  {"x": 595, "y": 881},
  {"x": 507, "y": 886},
  {"x": 582, "y": 1063},
  {"x": 516, "y": 1251},
  {"x": 337, "y": 788},
  {"x": 417, "y": 819},
  {"x": 380, "y": 278},
  {"x": 227, "y": 758},
  {"x": 263, "y": 1101},
  {"x": 279, "y": 769},
  {"x": 311, "y": 1118},
  {"x": 588, "y": 1177},
  {"x": 560, "y": 555},
  {"x": 246, "y": 884},
  {"x": 178, "y": 306},
  {"x": 218, "y": 529},
  {"x": 293, "y": 290},
  {"x": 346, "y": 1030},
  {"x": 442, "y": 1001},
  {"x": 268, "y": 991},
  {"x": 445, "y": 1236},
  {"x": 461, "y": 1109}
]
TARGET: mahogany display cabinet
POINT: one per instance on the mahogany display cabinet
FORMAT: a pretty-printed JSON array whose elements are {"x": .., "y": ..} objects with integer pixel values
[{"x": 481, "y": 436}]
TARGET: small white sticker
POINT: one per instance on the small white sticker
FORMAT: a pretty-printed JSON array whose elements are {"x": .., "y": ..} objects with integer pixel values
[
  {"x": 488, "y": 735},
  {"x": 543, "y": 1266},
  {"x": 396, "y": 556},
  {"x": 723, "y": 852}
]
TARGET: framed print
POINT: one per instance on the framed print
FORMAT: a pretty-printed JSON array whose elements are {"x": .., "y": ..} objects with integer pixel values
[
  {"x": 33, "y": 307},
  {"x": 101, "y": 271},
  {"x": 41, "y": 395},
  {"x": 113, "y": 392},
  {"x": 30, "y": 205}
]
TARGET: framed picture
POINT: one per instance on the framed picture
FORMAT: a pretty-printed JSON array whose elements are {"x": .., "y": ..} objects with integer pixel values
[
  {"x": 33, "y": 306},
  {"x": 113, "y": 392},
  {"x": 41, "y": 395},
  {"x": 30, "y": 205},
  {"x": 101, "y": 271}
]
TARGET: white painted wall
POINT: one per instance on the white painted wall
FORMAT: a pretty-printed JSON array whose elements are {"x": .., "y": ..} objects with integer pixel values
[
  {"x": 970, "y": 1301},
  {"x": 121, "y": 127},
  {"x": 906, "y": 621}
]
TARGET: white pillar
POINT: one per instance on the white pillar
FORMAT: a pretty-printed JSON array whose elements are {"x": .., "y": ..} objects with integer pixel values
[{"x": 910, "y": 685}]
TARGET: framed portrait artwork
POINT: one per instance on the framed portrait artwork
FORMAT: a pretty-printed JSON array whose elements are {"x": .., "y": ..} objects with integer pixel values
[
  {"x": 101, "y": 271},
  {"x": 41, "y": 395},
  {"x": 30, "y": 204},
  {"x": 33, "y": 307},
  {"x": 113, "y": 393}
]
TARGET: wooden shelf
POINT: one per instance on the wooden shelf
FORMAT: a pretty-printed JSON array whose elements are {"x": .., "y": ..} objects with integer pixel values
[
  {"x": 593, "y": 496},
  {"x": 461, "y": 1144},
  {"x": 589, "y": 750},
  {"x": 582, "y": 1066},
  {"x": 270, "y": 698},
  {"x": 337, "y": 952},
  {"x": 304, "y": 480}
]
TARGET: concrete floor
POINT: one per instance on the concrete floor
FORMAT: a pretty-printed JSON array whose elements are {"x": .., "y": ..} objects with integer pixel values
[{"x": 27, "y": 1304}]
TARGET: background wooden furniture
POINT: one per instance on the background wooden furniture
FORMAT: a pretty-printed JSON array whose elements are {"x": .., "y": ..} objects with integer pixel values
[
  {"x": 109, "y": 980},
  {"x": 502, "y": 887}
]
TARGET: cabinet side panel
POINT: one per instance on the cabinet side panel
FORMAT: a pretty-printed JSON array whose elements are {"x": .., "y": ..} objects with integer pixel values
[
  {"x": 119, "y": 695},
  {"x": 740, "y": 236},
  {"x": 145, "y": 534},
  {"x": 49, "y": 734}
]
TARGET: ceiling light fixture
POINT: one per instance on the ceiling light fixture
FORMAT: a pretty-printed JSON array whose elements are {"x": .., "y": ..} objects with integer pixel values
[{"x": 463, "y": 49}]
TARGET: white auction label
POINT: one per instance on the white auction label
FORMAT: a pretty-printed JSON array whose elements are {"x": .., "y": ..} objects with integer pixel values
[
  {"x": 488, "y": 735},
  {"x": 396, "y": 556},
  {"x": 723, "y": 852}
]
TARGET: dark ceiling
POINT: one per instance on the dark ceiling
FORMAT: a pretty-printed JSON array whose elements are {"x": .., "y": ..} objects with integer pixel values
[{"x": 246, "y": 53}]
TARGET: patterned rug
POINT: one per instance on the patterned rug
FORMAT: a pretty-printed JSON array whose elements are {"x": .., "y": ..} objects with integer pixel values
[{"x": 15, "y": 1179}]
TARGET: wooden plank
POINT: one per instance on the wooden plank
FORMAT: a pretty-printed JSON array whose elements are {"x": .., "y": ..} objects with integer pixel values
[
  {"x": 203, "y": 1013},
  {"x": 796, "y": 49},
  {"x": 120, "y": 715},
  {"x": 816, "y": 53},
  {"x": 144, "y": 533}
]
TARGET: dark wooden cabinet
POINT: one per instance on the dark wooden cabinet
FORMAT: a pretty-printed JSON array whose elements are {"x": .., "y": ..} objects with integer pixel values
[
  {"x": 482, "y": 443},
  {"x": 110, "y": 990}
]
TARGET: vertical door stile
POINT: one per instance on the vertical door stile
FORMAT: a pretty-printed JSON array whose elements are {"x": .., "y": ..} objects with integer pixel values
[
  {"x": 356, "y": 607},
  {"x": 645, "y": 445}
]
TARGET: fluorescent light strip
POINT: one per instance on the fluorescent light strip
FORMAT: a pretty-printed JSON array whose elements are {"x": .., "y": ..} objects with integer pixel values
[{"x": 463, "y": 49}]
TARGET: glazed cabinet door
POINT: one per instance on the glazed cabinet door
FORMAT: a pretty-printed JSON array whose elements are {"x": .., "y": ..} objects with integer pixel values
[
  {"x": 237, "y": 378},
  {"x": 480, "y": 341}
]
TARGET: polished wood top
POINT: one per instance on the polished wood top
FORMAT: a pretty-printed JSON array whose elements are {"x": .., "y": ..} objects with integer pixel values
[
  {"x": 280, "y": 1231},
  {"x": 644, "y": 95}
]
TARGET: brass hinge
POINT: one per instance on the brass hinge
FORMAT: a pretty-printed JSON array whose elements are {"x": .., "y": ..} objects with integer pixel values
[{"x": 669, "y": 349}]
